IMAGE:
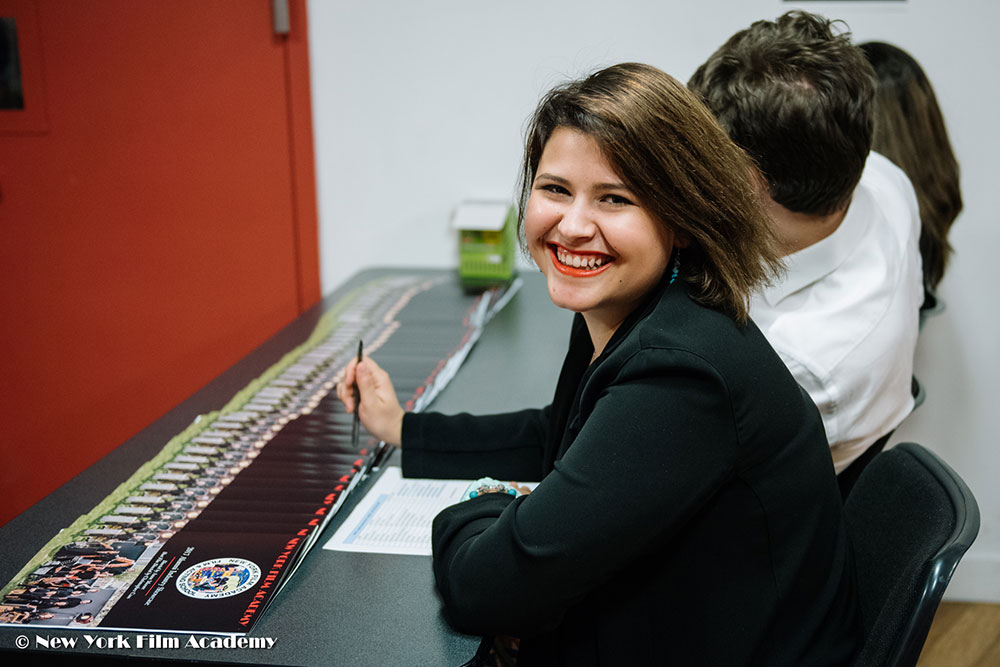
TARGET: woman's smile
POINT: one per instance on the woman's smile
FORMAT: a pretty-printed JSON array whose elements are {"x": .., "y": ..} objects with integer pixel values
[
  {"x": 578, "y": 263},
  {"x": 600, "y": 249}
]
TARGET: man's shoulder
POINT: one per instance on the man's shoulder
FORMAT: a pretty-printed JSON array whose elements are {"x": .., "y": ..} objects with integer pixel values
[{"x": 890, "y": 188}]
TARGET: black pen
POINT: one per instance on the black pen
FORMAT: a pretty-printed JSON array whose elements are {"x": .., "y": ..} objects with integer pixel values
[{"x": 355, "y": 427}]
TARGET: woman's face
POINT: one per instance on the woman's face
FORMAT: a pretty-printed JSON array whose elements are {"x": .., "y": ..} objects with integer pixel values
[{"x": 599, "y": 249}]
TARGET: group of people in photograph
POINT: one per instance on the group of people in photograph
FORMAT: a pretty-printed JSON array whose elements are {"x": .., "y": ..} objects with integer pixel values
[{"x": 72, "y": 587}]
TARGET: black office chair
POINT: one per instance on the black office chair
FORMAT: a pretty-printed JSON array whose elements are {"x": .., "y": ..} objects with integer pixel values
[{"x": 910, "y": 519}]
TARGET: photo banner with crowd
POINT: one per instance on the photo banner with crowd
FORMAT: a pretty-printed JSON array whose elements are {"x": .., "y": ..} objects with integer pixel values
[{"x": 203, "y": 536}]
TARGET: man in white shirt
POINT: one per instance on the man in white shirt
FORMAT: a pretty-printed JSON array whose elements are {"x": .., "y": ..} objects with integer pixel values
[{"x": 844, "y": 318}]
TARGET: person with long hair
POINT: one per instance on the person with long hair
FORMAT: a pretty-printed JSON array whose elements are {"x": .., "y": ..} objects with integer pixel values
[
  {"x": 686, "y": 511},
  {"x": 910, "y": 131}
]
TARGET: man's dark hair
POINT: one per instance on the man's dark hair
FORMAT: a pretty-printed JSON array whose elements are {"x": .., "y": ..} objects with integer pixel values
[{"x": 798, "y": 97}]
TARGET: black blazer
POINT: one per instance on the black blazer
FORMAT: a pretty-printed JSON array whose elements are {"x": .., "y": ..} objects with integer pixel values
[{"x": 688, "y": 511}]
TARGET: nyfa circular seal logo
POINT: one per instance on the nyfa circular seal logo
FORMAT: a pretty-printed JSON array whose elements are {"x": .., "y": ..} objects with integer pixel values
[{"x": 218, "y": 578}]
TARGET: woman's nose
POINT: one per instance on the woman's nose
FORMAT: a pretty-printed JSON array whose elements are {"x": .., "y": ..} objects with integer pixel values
[{"x": 577, "y": 221}]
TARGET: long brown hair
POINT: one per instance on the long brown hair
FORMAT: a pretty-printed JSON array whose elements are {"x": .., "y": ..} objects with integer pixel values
[
  {"x": 910, "y": 131},
  {"x": 672, "y": 154}
]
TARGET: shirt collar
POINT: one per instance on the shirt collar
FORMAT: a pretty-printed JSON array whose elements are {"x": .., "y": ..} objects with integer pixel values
[{"x": 814, "y": 262}]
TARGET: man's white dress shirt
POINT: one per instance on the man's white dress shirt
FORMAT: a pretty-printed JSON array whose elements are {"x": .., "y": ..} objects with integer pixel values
[{"x": 844, "y": 317}]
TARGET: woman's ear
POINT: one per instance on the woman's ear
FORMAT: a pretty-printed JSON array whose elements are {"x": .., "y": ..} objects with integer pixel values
[{"x": 681, "y": 240}]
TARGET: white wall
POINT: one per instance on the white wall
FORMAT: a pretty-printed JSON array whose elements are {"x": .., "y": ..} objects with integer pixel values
[{"x": 418, "y": 105}]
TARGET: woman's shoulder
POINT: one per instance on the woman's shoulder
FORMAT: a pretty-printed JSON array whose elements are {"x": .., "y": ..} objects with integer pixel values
[
  {"x": 678, "y": 322},
  {"x": 725, "y": 370},
  {"x": 678, "y": 333}
]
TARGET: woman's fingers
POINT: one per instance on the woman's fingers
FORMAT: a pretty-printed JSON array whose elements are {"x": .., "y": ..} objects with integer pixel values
[
  {"x": 371, "y": 378},
  {"x": 379, "y": 410},
  {"x": 345, "y": 388}
]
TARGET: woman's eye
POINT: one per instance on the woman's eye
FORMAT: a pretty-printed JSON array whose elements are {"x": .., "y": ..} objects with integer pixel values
[
  {"x": 554, "y": 188},
  {"x": 618, "y": 200}
]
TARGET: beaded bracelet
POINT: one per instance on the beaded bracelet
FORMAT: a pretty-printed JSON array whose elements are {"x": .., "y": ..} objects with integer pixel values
[{"x": 488, "y": 485}]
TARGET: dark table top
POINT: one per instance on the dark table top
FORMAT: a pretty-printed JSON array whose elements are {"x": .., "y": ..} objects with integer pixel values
[{"x": 340, "y": 608}]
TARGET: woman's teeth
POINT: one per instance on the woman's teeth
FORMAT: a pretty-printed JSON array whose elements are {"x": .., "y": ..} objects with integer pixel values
[{"x": 578, "y": 261}]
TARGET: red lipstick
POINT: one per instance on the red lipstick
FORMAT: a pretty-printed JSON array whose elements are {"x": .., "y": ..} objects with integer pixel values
[{"x": 577, "y": 272}]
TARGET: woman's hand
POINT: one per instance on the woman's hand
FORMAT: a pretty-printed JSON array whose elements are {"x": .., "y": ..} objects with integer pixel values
[
  {"x": 379, "y": 411},
  {"x": 521, "y": 488}
]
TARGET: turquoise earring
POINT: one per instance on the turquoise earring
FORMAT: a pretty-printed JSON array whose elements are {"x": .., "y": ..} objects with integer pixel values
[{"x": 676, "y": 267}]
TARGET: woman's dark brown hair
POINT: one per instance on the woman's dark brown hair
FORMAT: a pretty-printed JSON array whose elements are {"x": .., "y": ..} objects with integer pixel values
[
  {"x": 910, "y": 131},
  {"x": 672, "y": 154}
]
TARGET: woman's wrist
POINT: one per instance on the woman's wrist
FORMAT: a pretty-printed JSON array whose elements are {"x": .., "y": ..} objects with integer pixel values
[
  {"x": 486, "y": 485},
  {"x": 395, "y": 434}
]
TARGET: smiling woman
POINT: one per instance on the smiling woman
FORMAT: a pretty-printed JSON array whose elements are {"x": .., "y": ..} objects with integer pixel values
[
  {"x": 600, "y": 251},
  {"x": 687, "y": 510}
]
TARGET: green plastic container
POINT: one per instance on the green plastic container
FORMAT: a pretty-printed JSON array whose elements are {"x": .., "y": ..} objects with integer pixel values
[{"x": 486, "y": 243}]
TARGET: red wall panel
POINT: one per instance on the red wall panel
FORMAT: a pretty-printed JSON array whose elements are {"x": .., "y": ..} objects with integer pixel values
[{"x": 162, "y": 227}]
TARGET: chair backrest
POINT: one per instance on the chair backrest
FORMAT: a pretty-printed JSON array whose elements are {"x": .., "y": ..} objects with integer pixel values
[
  {"x": 849, "y": 476},
  {"x": 910, "y": 519}
]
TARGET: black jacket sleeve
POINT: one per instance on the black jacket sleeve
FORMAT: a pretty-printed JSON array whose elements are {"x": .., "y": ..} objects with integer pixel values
[
  {"x": 507, "y": 446},
  {"x": 656, "y": 445}
]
